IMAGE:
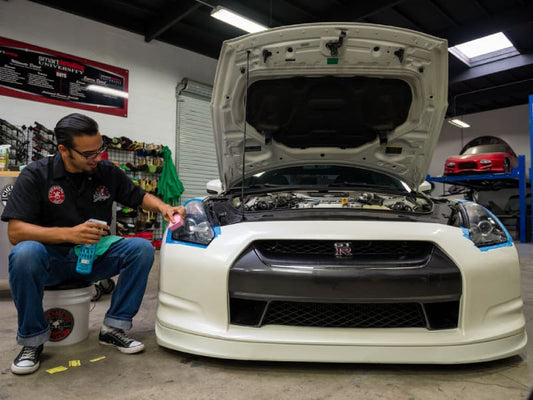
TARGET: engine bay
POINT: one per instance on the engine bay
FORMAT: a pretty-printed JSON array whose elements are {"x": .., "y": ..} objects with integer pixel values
[{"x": 293, "y": 200}]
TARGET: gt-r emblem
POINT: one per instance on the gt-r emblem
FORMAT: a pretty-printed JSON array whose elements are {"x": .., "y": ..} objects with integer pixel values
[{"x": 343, "y": 249}]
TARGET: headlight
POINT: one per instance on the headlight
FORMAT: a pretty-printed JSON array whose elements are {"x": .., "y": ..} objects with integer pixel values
[
  {"x": 196, "y": 228},
  {"x": 485, "y": 162},
  {"x": 484, "y": 229},
  {"x": 450, "y": 164}
]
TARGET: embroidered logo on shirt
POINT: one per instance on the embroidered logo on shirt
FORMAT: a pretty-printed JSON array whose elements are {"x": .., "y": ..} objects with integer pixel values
[
  {"x": 56, "y": 194},
  {"x": 101, "y": 194}
]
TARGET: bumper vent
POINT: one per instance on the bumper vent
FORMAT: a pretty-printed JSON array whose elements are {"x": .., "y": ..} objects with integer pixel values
[
  {"x": 344, "y": 315},
  {"x": 467, "y": 165}
]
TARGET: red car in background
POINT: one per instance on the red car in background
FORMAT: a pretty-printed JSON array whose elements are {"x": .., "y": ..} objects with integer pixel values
[{"x": 487, "y": 154}]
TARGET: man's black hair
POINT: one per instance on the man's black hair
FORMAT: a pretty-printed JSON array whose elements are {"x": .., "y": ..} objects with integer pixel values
[{"x": 74, "y": 125}]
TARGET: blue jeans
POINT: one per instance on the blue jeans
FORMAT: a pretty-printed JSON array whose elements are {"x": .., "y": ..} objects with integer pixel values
[{"x": 32, "y": 266}]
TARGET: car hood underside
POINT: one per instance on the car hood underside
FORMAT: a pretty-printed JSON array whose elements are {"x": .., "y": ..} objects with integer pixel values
[{"x": 355, "y": 94}]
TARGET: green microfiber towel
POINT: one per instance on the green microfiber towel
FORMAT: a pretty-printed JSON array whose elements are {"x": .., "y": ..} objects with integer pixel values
[
  {"x": 169, "y": 187},
  {"x": 102, "y": 246}
]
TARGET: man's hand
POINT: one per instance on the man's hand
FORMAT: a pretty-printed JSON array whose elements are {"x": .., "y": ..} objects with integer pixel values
[
  {"x": 86, "y": 233},
  {"x": 168, "y": 211},
  {"x": 155, "y": 204},
  {"x": 89, "y": 232}
]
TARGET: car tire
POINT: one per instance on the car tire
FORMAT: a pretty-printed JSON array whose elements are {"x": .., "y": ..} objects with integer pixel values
[{"x": 506, "y": 166}]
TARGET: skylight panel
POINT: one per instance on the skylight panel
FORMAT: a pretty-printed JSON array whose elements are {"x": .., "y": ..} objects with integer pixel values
[{"x": 484, "y": 50}]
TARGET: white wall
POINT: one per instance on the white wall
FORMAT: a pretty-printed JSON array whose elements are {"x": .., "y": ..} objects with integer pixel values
[{"x": 155, "y": 69}]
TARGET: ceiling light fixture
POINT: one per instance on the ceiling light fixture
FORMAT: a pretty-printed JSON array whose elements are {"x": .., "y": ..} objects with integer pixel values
[
  {"x": 484, "y": 50},
  {"x": 232, "y": 18},
  {"x": 457, "y": 122}
]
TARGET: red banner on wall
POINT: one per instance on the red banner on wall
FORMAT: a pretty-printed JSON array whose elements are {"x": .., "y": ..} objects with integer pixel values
[{"x": 35, "y": 73}]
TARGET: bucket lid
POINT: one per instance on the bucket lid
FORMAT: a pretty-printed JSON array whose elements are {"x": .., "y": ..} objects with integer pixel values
[{"x": 69, "y": 285}]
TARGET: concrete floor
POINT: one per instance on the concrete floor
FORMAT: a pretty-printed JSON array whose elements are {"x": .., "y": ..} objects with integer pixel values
[{"x": 158, "y": 373}]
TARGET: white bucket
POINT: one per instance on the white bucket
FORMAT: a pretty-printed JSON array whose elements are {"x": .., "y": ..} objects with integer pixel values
[{"x": 67, "y": 312}]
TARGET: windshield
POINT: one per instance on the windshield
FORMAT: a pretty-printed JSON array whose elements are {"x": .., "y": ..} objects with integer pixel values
[
  {"x": 324, "y": 176},
  {"x": 486, "y": 148}
]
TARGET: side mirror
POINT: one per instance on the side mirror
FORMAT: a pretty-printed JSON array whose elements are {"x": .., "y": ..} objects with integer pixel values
[
  {"x": 214, "y": 187},
  {"x": 425, "y": 187}
]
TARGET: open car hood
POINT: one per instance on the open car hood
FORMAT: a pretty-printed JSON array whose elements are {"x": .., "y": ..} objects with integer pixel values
[{"x": 347, "y": 93}]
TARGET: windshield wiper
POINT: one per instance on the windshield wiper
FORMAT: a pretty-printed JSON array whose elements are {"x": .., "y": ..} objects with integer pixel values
[
  {"x": 261, "y": 186},
  {"x": 358, "y": 184},
  {"x": 368, "y": 186}
]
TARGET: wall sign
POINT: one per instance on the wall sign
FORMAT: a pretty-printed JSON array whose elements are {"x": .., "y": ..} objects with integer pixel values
[{"x": 35, "y": 73}]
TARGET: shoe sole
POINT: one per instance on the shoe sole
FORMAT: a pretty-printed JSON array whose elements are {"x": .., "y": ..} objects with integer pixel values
[
  {"x": 125, "y": 350},
  {"x": 24, "y": 370}
]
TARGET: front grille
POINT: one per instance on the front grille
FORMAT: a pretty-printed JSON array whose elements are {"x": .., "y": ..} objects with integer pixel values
[
  {"x": 345, "y": 315},
  {"x": 381, "y": 284},
  {"x": 257, "y": 313},
  {"x": 363, "y": 249},
  {"x": 467, "y": 165}
]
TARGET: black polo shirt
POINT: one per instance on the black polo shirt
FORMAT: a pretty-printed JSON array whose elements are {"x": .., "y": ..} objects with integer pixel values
[{"x": 46, "y": 194}]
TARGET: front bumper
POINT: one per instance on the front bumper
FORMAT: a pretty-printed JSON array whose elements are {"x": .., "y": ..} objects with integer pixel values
[
  {"x": 194, "y": 301},
  {"x": 236, "y": 345}
]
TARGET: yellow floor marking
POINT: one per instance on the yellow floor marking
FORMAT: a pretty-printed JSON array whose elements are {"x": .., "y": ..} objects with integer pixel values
[
  {"x": 56, "y": 369},
  {"x": 97, "y": 359},
  {"x": 74, "y": 363}
]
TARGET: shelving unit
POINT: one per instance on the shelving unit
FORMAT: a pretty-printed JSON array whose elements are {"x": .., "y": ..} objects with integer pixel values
[
  {"x": 145, "y": 171},
  {"x": 517, "y": 177},
  {"x": 18, "y": 141}
]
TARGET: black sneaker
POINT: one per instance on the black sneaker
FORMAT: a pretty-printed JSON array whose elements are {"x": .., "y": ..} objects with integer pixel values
[
  {"x": 117, "y": 337},
  {"x": 27, "y": 361}
]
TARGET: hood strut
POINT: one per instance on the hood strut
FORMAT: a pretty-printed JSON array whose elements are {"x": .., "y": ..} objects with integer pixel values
[{"x": 244, "y": 131}]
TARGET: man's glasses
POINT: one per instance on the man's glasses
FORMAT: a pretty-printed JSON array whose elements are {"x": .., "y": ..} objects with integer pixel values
[{"x": 89, "y": 155}]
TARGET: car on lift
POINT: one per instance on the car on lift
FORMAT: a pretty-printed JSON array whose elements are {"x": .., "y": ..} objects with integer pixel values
[
  {"x": 319, "y": 245},
  {"x": 486, "y": 154}
]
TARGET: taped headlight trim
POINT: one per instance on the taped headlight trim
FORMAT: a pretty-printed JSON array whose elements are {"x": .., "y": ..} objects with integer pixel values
[
  {"x": 196, "y": 229},
  {"x": 483, "y": 228}
]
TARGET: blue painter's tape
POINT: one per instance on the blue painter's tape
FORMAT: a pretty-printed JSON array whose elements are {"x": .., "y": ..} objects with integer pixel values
[
  {"x": 188, "y": 201},
  {"x": 509, "y": 242}
]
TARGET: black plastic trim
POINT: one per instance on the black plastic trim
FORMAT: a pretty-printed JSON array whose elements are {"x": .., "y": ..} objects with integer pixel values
[{"x": 253, "y": 278}]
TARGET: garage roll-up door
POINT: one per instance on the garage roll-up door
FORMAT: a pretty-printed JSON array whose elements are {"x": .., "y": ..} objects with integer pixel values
[{"x": 196, "y": 161}]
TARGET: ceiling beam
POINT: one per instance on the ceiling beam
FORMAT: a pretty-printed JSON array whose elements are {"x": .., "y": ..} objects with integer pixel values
[
  {"x": 358, "y": 10},
  {"x": 492, "y": 68},
  {"x": 444, "y": 14},
  {"x": 169, "y": 18},
  {"x": 475, "y": 29}
]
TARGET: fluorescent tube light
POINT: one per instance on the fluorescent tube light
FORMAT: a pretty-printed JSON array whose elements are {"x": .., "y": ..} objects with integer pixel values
[
  {"x": 106, "y": 90},
  {"x": 232, "y": 18},
  {"x": 459, "y": 123}
]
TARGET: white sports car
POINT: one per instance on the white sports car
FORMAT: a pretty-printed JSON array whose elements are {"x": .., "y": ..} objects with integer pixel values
[{"x": 319, "y": 246}]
